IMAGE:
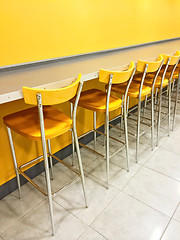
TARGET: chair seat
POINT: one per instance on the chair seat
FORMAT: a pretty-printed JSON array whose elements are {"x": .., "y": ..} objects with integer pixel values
[
  {"x": 133, "y": 89},
  {"x": 95, "y": 100},
  {"x": 149, "y": 80},
  {"x": 26, "y": 123}
]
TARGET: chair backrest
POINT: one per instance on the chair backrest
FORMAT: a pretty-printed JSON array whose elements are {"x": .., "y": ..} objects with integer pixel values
[
  {"x": 173, "y": 59},
  {"x": 51, "y": 96},
  {"x": 153, "y": 66},
  {"x": 118, "y": 76}
]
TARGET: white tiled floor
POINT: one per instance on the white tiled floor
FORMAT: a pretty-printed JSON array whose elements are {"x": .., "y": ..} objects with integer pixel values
[{"x": 143, "y": 204}]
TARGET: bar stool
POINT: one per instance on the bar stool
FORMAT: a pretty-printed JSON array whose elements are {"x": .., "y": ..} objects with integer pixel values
[
  {"x": 139, "y": 90},
  {"x": 163, "y": 85},
  {"x": 100, "y": 101},
  {"x": 42, "y": 123},
  {"x": 175, "y": 83}
]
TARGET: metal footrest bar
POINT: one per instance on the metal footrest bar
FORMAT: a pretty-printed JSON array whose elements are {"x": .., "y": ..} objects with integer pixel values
[
  {"x": 115, "y": 139},
  {"x": 141, "y": 117},
  {"x": 132, "y": 109},
  {"x": 84, "y": 134},
  {"x": 117, "y": 151},
  {"x": 41, "y": 190},
  {"x": 140, "y": 122},
  {"x": 33, "y": 183},
  {"x": 94, "y": 151},
  {"x": 36, "y": 186},
  {"x": 66, "y": 165},
  {"x": 33, "y": 160},
  {"x": 115, "y": 126}
]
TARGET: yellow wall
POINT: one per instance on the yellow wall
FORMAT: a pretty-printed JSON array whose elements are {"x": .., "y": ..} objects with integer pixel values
[{"x": 43, "y": 29}]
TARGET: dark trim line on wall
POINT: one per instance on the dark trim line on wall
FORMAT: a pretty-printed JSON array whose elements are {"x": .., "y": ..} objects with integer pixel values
[{"x": 66, "y": 58}]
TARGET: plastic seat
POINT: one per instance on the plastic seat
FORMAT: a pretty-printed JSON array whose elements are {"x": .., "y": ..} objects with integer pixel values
[
  {"x": 42, "y": 123},
  {"x": 138, "y": 90},
  {"x": 101, "y": 101},
  {"x": 133, "y": 90}
]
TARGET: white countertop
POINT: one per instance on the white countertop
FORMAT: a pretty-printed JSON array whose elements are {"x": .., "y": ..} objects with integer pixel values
[{"x": 61, "y": 73}]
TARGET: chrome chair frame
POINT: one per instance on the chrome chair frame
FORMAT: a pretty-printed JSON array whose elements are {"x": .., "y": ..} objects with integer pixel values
[
  {"x": 169, "y": 99},
  {"x": 139, "y": 122},
  {"x": 175, "y": 102},
  {"x": 46, "y": 155},
  {"x": 106, "y": 134}
]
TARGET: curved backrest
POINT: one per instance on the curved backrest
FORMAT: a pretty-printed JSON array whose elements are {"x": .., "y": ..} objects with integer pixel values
[
  {"x": 152, "y": 66},
  {"x": 173, "y": 61},
  {"x": 118, "y": 76},
  {"x": 51, "y": 96}
]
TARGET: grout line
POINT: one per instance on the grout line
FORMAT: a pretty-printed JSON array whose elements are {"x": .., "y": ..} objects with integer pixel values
[
  {"x": 169, "y": 222},
  {"x": 20, "y": 218},
  {"x": 146, "y": 204},
  {"x": 163, "y": 174},
  {"x": 93, "y": 230}
]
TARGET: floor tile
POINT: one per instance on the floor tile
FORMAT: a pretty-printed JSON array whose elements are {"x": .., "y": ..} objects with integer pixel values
[
  {"x": 171, "y": 142},
  {"x": 144, "y": 153},
  {"x": 155, "y": 189},
  {"x": 12, "y": 208},
  {"x": 98, "y": 198},
  {"x": 62, "y": 176},
  {"x": 177, "y": 214},
  {"x": 172, "y": 232},
  {"x": 91, "y": 234},
  {"x": 126, "y": 218},
  {"x": 86, "y": 156},
  {"x": 119, "y": 177},
  {"x": 36, "y": 225},
  {"x": 165, "y": 162}
]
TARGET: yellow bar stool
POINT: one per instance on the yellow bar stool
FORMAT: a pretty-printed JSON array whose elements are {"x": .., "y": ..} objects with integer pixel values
[
  {"x": 102, "y": 101},
  {"x": 139, "y": 90},
  {"x": 175, "y": 83},
  {"x": 42, "y": 123},
  {"x": 162, "y": 85},
  {"x": 166, "y": 78}
]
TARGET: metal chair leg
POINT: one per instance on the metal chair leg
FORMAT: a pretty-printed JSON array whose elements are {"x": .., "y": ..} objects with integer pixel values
[
  {"x": 159, "y": 115},
  {"x": 107, "y": 147},
  {"x": 94, "y": 118},
  {"x": 126, "y": 138},
  {"x": 72, "y": 136},
  {"x": 156, "y": 94},
  {"x": 46, "y": 165},
  {"x": 138, "y": 129},
  {"x": 50, "y": 159},
  {"x": 145, "y": 104},
  {"x": 15, "y": 161},
  {"x": 152, "y": 120},
  {"x": 122, "y": 115},
  {"x": 169, "y": 107},
  {"x": 80, "y": 164},
  {"x": 175, "y": 104}
]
